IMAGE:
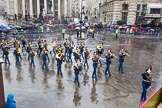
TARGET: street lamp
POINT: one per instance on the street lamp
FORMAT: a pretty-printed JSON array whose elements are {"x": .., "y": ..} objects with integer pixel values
[
  {"x": 82, "y": 12},
  {"x": 2, "y": 98}
]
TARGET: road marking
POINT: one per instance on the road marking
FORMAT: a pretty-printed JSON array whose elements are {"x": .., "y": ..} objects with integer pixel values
[
  {"x": 123, "y": 44},
  {"x": 96, "y": 45}
]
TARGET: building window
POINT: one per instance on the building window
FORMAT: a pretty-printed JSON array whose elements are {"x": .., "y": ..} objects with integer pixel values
[
  {"x": 155, "y": 11},
  {"x": 125, "y": 7},
  {"x": 144, "y": 6},
  {"x": 138, "y": 6},
  {"x": 124, "y": 16}
]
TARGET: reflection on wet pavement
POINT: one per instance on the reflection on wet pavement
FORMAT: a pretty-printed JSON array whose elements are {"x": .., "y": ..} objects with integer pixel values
[{"x": 42, "y": 88}]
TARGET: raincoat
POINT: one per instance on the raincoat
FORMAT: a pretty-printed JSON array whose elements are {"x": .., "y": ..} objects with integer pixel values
[{"x": 10, "y": 103}]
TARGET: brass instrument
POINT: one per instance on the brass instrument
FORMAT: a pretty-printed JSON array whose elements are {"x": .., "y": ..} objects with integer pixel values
[
  {"x": 112, "y": 54},
  {"x": 88, "y": 53},
  {"x": 88, "y": 57},
  {"x": 10, "y": 42},
  {"x": 41, "y": 45},
  {"x": 59, "y": 55},
  {"x": 34, "y": 53},
  {"x": 77, "y": 51},
  {"x": 95, "y": 55},
  {"x": 19, "y": 50},
  {"x": 99, "y": 46}
]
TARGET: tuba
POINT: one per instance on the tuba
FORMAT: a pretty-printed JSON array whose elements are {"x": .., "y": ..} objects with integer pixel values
[{"x": 99, "y": 47}]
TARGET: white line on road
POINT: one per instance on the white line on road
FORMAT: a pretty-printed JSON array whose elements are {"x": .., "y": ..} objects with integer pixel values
[{"x": 96, "y": 45}]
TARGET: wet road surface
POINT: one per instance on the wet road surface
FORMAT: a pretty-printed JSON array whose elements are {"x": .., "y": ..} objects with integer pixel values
[{"x": 37, "y": 88}]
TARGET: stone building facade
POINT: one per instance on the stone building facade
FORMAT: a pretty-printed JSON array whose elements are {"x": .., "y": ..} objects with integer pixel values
[{"x": 130, "y": 11}]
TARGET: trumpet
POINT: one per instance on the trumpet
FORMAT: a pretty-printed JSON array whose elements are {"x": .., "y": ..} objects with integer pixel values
[
  {"x": 112, "y": 54},
  {"x": 126, "y": 53},
  {"x": 10, "y": 42},
  {"x": 34, "y": 53}
]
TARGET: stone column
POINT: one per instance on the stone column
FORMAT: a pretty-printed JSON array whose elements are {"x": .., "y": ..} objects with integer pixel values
[
  {"x": 52, "y": 8},
  {"x": 8, "y": 7},
  {"x": 45, "y": 6},
  {"x": 15, "y": 6},
  {"x": 23, "y": 7},
  {"x": 70, "y": 13},
  {"x": 59, "y": 14},
  {"x": 38, "y": 8},
  {"x": 65, "y": 8},
  {"x": 31, "y": 8}
]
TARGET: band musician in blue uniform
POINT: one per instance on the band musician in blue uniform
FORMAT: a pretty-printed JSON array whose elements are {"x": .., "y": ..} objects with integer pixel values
[
  {"x": 44, "y": 59},
  {"x": 122, "y": 55},
  {"x": 81, "y": 47},
  {"x": 6, "y": 53},
  {"x": 32, "y": 55},
  {"x": 146, "y": 82},
  {"x": 77, "y": 55},
  {"x": 86, "y": 57},
  {"x": 95, "y": 60},
  {"x": 100, "y": 51},
  {"x": 109, "y": 56},
  {"x": 59, "y": 58},
  {"x": 77, "y": 69},
  {"x": 70, "y": 53},
  {"x": 23, "y": 41}
]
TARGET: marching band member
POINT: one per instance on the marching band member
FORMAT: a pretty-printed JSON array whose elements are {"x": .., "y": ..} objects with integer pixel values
[
  {"x": 122, "y": 55},
  {"x": 95, "y": 64},
  {"x": 46, "y": 52},
  {"x": 3, "y": 46},
  {"x": 39, "y": 41},
  {"x": 6, "y": 53},
  {"x": 100, "y": 51},
  {"x": 77, "y": 54},
  {"x": 146, "y": 82},
  {"x": 44, "y": 59},
  {"x": 19, "y": 50},
  {"x": 70, "y": 53},
  {"x": 16, "y": 54},
  {"x": 54, "y": 46},
  {"x": 59, "y": 48},
  {"x": 28, "y": 48},
  {"x": 15, "y": 42},
  {"x": 66, "y": 45},
  {"x": 40, "y": 48},
  {"x": 59, "y": 59},
  {"x": 32, "y": 55},
  {"x": 81, "y": 47},
  {"x": 108, "y": 57},
  {"x": 86, "y": 57},
  {"x": 23, "y": 42},
  {"x": 77, "y": 69}
]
